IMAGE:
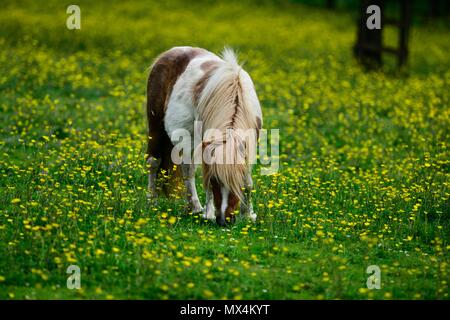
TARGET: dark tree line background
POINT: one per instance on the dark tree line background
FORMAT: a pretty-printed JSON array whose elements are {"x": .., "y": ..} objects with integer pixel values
[
  {"x": 401, "y": 14},
  {"x": 422, "y": 10}
]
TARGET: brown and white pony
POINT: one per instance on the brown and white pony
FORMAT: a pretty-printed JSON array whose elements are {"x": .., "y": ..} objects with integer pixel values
[{"x": 192, "y": 84}]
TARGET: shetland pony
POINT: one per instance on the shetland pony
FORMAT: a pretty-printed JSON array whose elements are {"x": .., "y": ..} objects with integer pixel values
[{"x": 189, "y": 84}]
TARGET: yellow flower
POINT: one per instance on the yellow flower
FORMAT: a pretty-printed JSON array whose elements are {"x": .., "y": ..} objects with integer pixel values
[
  {"x": 207, "y": 293},
  {"x": 165, "y": 287},
  {"x": 16, "y": 200},
  {"x": 363, "y": 290},
  {"x": 208, "y": 263},
  {"x": 172, "y": 220}
]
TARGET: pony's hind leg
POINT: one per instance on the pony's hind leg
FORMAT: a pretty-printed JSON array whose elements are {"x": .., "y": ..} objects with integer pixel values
[
  {"x": 188, "y": 171},
  {"x": 246, "y": 208},
  {"x": 154, "y": 155},
  {"x": 153, "y": 167}
]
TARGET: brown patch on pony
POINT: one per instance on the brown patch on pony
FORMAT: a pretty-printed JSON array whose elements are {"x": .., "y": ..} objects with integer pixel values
[
  {"x": 215, "y": 186},
  {"x": 233, "y": 202},
  {"x": 208, "y": 67},
  {"x": 258, "y": 126},
  {"x": 165, "y": 71}
]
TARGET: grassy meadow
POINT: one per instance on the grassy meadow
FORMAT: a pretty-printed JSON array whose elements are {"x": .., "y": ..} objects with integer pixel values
[{"x": 364, "y": 159}]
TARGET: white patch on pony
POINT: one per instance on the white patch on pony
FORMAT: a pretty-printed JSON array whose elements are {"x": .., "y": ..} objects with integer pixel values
[
  {"x": 181, "y": 112},
  {"x": 224, "y": 204}
]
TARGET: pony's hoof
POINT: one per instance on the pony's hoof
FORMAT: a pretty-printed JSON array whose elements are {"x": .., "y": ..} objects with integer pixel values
[
  {"x": 208, "y": 215},
  {"x": 196, "y": 208},
  {"x": 152, "y": 197},
  {"x": 252, "y": 217},
  {"x": 221, "y": 221}
]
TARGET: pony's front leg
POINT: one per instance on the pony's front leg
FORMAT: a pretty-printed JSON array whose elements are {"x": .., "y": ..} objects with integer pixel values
[
  {"x": 189, "y": 181},
  {"x": 246, "y": 208},
  {"x": 210, "y": 210}
]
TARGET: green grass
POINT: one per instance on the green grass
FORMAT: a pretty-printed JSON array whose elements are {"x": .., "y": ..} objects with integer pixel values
[{"x": 363, "y": 176}]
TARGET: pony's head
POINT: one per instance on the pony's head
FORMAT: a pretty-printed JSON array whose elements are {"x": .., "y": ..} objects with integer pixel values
[{"x": 224, "y": 174}]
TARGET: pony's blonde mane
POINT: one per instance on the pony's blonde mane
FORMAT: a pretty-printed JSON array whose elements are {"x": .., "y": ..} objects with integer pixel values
[{"x": 223, "y": 105}]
